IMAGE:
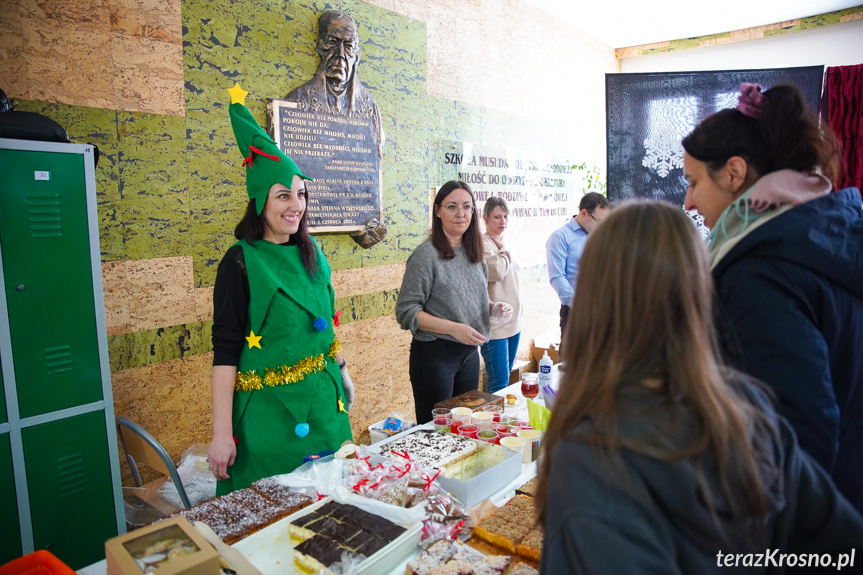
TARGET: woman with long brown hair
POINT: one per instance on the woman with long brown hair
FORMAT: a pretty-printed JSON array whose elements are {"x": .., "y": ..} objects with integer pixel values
[
  {"x": 444, "y": 302},
  {"x": 658, "y": 459}
]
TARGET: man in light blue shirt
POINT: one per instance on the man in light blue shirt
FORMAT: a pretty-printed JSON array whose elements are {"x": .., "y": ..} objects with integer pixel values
[{"x": 564, "y": 247}]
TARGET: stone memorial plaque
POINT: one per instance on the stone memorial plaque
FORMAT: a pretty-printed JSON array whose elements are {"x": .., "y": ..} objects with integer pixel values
[
  {"x": 331, "y": 127},
  {"x": 341, "y": 154}
]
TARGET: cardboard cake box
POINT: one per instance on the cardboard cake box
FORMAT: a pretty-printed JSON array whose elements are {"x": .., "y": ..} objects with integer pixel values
[
  {"x": 545, "y": 342},
  {"x": 173, "y": 537},
  {"x": 472, "y": 399}
]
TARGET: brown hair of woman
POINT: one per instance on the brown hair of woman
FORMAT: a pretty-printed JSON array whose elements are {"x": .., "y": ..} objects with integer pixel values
[{"x": 644, "y": 327}]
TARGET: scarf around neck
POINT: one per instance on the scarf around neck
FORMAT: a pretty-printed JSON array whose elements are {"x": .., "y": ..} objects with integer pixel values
[{"x": 768, "y": 198}]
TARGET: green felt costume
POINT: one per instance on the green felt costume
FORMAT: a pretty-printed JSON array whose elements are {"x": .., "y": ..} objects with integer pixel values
[
  {"x": 288, "y": 400},
  {"x": 286, "y": 307}
]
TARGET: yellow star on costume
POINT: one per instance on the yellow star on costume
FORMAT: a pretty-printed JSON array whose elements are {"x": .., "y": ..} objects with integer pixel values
[
  {"x": 254, "y": 340},
  {"x": 238, "y": 95},
  {"x": 342, "y": 406}
]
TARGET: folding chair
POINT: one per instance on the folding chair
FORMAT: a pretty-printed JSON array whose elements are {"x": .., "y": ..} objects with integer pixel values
[{"x": 141, "y": 447}]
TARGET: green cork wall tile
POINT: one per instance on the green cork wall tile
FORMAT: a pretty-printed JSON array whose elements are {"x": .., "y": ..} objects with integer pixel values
[
  {"x": 142, "y": 348},
  {"x": 685, "y": 43},
  {"x": 153, "y": 184},
  {"x": 367, "y": 306}
]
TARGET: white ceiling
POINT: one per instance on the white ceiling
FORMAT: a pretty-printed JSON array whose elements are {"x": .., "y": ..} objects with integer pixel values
[{"x": 622, "y": 23}]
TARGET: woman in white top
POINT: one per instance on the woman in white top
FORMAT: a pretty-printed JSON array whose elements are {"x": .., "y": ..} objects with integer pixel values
[{"x": 499, "y": 351}]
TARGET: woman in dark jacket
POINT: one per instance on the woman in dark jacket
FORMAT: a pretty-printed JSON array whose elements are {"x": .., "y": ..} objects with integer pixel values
[
  {"x": 658, "y": 459},
  {"x": 786, "y": 253}
]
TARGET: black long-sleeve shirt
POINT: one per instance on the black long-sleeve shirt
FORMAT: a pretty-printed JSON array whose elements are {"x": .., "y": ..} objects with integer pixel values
[{"x": 231, "y": 306}]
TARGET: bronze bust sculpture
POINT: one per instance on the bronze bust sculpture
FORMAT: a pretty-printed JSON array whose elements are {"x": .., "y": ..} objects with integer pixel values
[{"x": 335, "y": 88}]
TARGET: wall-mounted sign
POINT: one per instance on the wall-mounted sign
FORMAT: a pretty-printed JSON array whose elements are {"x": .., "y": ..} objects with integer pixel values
[
  {"x": 331, "y": 127},
  {"x": 534, "y": 183}
]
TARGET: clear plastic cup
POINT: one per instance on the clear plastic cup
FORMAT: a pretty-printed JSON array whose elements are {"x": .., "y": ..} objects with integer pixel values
[
  {"x": 488, "y": 435},
  {"x": 443, "y": 423},
  {"x": 461, "y": 414},
  {"x": 439, "y": 414},
  {"x": 482, "y": 418},
  {"x": 468, "y": 430},
  {"x": 454, "y": 426},
  {"x": 499, "y": 427},
  {"x": 496, "y": 410}
]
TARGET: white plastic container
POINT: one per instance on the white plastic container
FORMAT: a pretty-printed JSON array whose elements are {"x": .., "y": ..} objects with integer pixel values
[
  {"x": 376, "y": 432},
  {"x": 545, "y": 367}
]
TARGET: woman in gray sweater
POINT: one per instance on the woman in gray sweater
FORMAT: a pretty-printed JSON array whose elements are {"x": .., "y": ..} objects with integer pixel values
[{"x": 444, "y": 302}]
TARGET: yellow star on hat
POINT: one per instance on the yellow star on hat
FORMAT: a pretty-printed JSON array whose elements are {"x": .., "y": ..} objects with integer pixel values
[
  {"x": 254, "y": 340},
  {"x": 238, "y": 95}
]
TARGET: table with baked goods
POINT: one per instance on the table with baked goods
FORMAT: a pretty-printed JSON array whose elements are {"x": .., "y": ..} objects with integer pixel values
[{"x": 515, "y": 535}]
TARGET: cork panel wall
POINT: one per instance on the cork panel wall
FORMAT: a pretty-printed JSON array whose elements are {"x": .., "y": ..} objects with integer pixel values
[
  {"x": 377, "y": 352},
  {"x": 367, "y": 280},
  {"x": 146, "y": 294},
  {"x": 121, "y": 55},
  {"x": 779, "y": 28}
]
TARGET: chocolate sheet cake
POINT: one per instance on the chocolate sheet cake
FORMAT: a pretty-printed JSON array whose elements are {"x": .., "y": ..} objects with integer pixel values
[
  {"x": 272, "y": 489},
  {"x": 237, "y": 514},
  {"x": 241, "y": 513},
  {"x": 336, "y": 529}
]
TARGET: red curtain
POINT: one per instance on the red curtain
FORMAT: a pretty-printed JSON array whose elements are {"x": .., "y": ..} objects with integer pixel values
[{"x": 842, "y": 106}]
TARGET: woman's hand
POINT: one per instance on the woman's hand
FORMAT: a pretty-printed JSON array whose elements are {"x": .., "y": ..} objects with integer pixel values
[
  {"x": 220, "y": 456},
  {"x": 222, "y": 450},
  {"x": 466, "y": 334},
  {"x": 500, "y": 312},
  {"x": 497, "y": 242},
  {"x": 347, "y": 387}
]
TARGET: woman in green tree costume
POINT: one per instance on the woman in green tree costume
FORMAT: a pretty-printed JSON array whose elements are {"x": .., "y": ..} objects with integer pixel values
[{"x": 281, "y": 390}]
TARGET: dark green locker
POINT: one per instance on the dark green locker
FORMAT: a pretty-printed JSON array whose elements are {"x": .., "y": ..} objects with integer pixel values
[
  {"x": 60, "y": 435},
  {"x": 3, "y": 416},
  {"x": 46, "y": 265},
  {"x": 10, "y": 543},
  {"x": 68, "y": 470}
]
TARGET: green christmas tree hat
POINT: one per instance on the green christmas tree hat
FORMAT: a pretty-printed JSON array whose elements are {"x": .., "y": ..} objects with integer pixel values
[{"x": 265, "y": 163}]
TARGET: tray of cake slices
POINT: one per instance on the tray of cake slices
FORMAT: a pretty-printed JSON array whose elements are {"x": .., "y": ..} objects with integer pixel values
[
  {"x": 454, "y": 557},
  {"x": 244, "y": 512},
  {"x": 326, "y": 533},
  {"x": 471, "y": 470},
  {"x": 512, "y": 529}
]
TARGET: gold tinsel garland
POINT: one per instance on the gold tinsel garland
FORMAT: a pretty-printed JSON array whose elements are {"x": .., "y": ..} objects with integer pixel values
[{"x": 286, "y": 374}]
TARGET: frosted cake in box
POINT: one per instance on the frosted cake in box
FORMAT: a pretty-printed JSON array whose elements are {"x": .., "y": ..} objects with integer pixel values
[{"x": 435, "y": 449}]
